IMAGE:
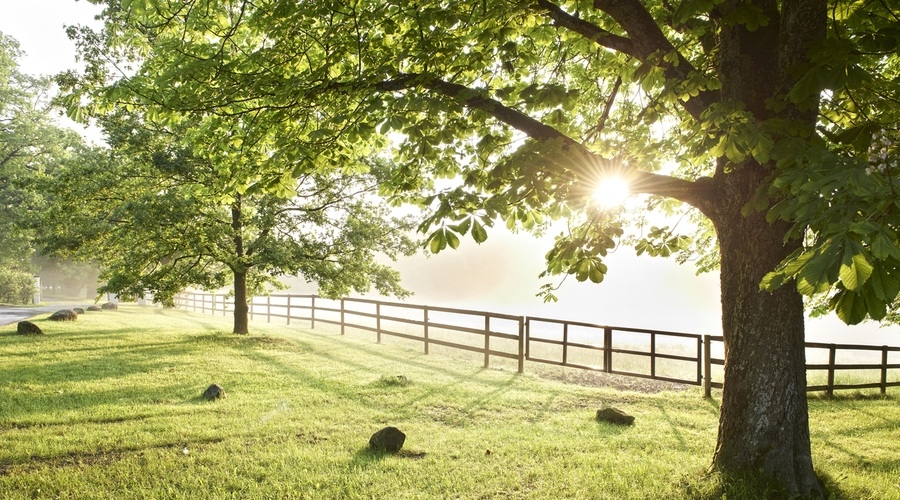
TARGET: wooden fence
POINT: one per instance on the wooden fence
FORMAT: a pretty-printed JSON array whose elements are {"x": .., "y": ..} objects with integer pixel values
[
  {"x": 660, "y": 355},
  {"x": 832, "y": 367}
]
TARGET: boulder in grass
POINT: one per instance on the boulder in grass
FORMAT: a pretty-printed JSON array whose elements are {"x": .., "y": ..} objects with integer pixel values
[
  {"x": 614, "y": 416},
  {"x": 389, "y": 440},
  {"x": 64, "y": 315},
  {"x": 110, "y": 306},
  {"x": 28, "y": 328},
  {"x": 78, "y": 310},
  {"x": 94, "y": 308},
  {"x": 214, "y": 391}
]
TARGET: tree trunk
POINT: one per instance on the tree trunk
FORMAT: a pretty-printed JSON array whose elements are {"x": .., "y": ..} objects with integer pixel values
[
  {"x": 764, "y": 422},
  {"x": 241, "y": 309}
]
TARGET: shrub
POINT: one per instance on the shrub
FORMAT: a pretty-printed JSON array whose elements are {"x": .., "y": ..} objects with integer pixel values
[{"x": 16, "y": 287}]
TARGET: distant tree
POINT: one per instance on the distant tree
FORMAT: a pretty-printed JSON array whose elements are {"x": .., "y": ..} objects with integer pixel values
[
  {"x": 30, "y": 144},
  {"x": 756, "y": 117},
  {"x": 158, "y": 219}
]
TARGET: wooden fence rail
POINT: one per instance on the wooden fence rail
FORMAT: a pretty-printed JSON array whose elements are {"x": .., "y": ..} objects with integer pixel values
[
  {"x": 831, "y": 368},
  {"x": 685, "y": 358}
]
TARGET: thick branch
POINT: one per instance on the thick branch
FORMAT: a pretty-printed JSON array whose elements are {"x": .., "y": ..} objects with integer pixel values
[
  {"x": 581, "y": 162},
  {"x": 646, "y": 40},
  {"x": 590, "y": 31}
]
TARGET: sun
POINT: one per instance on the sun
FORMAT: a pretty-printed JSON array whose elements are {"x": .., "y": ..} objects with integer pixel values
[{"x": 612, "y": 192}]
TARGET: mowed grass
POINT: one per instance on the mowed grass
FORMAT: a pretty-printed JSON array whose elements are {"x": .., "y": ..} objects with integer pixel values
[{"x": 109, "y": 407}]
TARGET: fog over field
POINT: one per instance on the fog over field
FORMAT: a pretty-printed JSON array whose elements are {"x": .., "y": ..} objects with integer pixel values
[{"x": 501, "y": 275}]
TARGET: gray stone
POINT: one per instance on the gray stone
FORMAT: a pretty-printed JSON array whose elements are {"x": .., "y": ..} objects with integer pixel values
[
  {"x": 214, "y": 391},
  {"x": 64, "y": 315},
  {"x": 94, "y": 308},
  {"x": 28, "y": 328},
  {"x": 110, "y": 306},
  {"x": 78, "y": 310},
  {"x": 614, "y": 416},
  {"x": 389, "y": 439}
]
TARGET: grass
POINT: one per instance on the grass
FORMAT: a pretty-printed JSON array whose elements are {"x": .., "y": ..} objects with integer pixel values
[{"x": 109, "y": 406}]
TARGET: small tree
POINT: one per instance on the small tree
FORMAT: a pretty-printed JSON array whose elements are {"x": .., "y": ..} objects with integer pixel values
[{"x": 152, "y": 213}]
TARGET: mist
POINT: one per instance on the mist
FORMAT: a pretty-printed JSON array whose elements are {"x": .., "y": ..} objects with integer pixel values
[{"x": 501, "y": 275}]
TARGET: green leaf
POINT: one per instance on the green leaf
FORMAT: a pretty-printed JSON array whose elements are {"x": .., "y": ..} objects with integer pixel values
[
  {"x": 884, "y": 246},
  {"x": 452, "y": 240},
  {"x": 850, "y": 307},
  {"x": 479, "y": 234},
  {"x": 438, "y": 241},
  {"x": 855, "y": 269},
  {"x": 819, "y": 272}
]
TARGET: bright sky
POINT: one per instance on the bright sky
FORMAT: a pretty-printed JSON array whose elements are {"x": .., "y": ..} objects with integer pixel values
[{"x": 501, "y": 274}]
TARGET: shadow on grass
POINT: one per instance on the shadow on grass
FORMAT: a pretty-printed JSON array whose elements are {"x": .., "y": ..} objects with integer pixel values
[
  {"x": 673, "y": 425},
  {"x": 366, "y": 456},
  {"x": 92, "y": 458}
]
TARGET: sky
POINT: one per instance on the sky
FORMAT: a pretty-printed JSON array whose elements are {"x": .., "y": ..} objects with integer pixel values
[{"x": 501, "y": 274}]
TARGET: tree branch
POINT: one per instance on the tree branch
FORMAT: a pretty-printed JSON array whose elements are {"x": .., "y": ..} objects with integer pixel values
[
  {"x": 590, "y": 31},
  {"x": 581, "y": 162},
  {"x": 645, "y": 39}
]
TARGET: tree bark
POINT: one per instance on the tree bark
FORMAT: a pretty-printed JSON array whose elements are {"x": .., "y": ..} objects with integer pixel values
[
  {"x": 241, "y": 309},
  {"x": 763, "y": 423},
  {"x": 764, "y": 418}
]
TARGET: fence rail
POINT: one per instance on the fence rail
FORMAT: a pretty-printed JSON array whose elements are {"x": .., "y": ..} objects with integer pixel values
[{"x": 685, "y": 358}]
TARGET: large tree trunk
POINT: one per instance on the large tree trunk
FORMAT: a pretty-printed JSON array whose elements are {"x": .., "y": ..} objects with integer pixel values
[
  {"x": 764, "y": 419},
  {"x": 241, "y": 309},
  {"x": 764, "y": 423}
]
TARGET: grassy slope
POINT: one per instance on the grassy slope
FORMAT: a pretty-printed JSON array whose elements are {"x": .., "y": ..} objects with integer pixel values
[{"x": 109, "y": 406}]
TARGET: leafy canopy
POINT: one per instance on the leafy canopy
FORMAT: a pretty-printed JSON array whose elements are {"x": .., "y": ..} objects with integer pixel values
[{"x": 529, "y": 104}]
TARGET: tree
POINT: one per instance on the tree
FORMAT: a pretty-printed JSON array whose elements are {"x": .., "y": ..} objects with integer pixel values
[
  {"x": 154, "y": 215},
  {"x": 30, "y": 144},
  {"x": 754, "y": 116}
]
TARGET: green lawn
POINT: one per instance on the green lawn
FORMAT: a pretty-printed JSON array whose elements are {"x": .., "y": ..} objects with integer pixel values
[{"x": 109, "y": 407}]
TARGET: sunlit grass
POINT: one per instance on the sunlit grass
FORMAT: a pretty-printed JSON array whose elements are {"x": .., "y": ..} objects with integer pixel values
[{"x": 109, "y": 406}]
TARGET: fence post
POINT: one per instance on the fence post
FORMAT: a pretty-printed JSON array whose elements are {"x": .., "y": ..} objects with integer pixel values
[
  {"x": 342, "y": 315},
  {"x": 268, "y": 308},
  {"x": 831, "y": 358},
  {"x": 312, "y": 315},
  {"x": 487, "y": 340},
  {"x": 250, "y": 307},
  {"x": 289, "y": 310},
  {"x": 378, "y": 322},
  {"x": 699, "y": 360},
  {"x": 607, "y": 346},
  {"x": 521, "y": 344},
  {"x": 707, "y": 365},
  {"x": 565, "y": 357},
  {"x": 884, "y": 362},
  {"x": 652, "y": 354},
  {"x": 527, "y": 337},
  {"x": 425, "y": 323}
]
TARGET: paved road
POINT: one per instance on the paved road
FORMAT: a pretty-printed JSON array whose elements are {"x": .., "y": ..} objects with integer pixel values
[{"x": 10, "y": 315}]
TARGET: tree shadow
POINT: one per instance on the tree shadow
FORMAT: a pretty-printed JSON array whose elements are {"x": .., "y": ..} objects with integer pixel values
[{"x": 366, "y": 456}]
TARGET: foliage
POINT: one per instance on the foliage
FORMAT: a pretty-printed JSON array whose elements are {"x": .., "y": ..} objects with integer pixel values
[
  {"x": 302, "y": 404},
  {"x": 30, "y": 144},
  {"x": 16, "y": 287},
  {"x": 515, "y": 99},
  {"x": 159, "y": 218}
]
